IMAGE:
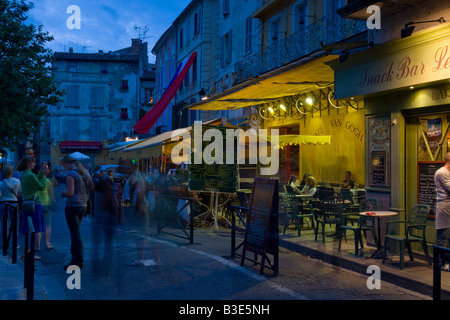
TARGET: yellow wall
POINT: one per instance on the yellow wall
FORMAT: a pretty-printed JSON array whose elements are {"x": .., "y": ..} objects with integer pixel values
[{"x": 328, "y": 163}]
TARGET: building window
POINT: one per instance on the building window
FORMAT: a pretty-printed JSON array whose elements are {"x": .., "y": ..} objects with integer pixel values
[
  {"x": 73, "y": 130},
  {"x": 96, "y": 130},
  {"x": 226, "y": 7},
  {"x": 300, "y": 17},
  {"x": 197, "y": 23},
  {"x": 194, "y": 70},
  {"x": 124, "y": 114},
  {"x": 248, "y": 34},
  {"x": 71, "y": 99},
  {"x": 187, "y": 32},
  {"x": 72, "y": 67},
  {"x": 186, "y": 79},
  {"x": 124, "y": 84},
  {"x": 274, "y": 34},
  {"x": 181, "y": 38},
  {"x": 148, "y": 95},
  {"x": 97, "y": 97},
  {"x": 103, "y": 67},
  {"x": 226, "y": 49}
]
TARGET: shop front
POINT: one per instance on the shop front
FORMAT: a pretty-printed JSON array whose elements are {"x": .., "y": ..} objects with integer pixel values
[
  {"x": 318, "y": 116},
  {"x": 406, "y": 91}
]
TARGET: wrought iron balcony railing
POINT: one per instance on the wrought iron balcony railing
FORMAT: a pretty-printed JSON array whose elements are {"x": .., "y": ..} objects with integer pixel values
[{"x": 327, "y": 30}]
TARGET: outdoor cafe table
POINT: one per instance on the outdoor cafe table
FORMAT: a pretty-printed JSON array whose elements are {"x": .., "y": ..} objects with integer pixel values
[
  {"x": 378, "y": 214},
  {"x": 303, "y": 197}
]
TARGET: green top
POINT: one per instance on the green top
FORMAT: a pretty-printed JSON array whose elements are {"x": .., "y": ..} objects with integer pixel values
[
  {"x": 31, "y": 184},
  {"x": 44, "y": 195}
]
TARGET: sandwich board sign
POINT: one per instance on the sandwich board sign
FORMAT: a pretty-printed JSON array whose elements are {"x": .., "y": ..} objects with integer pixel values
[{"x": 261, "y": 235}]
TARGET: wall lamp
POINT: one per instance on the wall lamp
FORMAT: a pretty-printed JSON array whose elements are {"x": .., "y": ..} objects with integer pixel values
[
  {"x": 409, "y": 27},
  {"x": 203, "y": 95}
]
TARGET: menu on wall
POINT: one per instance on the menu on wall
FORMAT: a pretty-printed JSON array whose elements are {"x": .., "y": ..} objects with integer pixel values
[
  {"x": 378, "y": 162},
  {"x": 379, "y": 150},
  {"x": 426, "y": 190}
]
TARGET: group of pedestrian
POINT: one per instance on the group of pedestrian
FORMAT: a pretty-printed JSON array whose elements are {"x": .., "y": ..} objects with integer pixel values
[{"x": 34, "y": 197}]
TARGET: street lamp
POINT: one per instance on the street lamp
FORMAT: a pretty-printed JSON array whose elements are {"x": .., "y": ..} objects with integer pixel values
[{"x": 409, "y": 27}]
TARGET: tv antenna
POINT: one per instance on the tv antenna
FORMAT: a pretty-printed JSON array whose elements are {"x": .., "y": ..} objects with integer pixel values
[{"x": 142, "y": 31}]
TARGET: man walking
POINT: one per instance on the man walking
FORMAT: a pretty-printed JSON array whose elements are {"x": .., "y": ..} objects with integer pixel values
[{"x": 442, "y": 223}]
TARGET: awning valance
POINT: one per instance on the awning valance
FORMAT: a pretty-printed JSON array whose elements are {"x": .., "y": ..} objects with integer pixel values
[
  {"x": 307, "y": 74},
  {"x": 294, "y": 139},
  {"x": 81, "y": 145}
]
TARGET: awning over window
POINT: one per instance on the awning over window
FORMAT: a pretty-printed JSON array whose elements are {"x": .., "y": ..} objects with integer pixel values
[
  {"x": 81, "y": 145},
  {"x": 148, "y": 121}
]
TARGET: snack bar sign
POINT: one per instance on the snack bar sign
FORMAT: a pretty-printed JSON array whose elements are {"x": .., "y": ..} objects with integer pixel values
[{"x": 379, "y": 71}]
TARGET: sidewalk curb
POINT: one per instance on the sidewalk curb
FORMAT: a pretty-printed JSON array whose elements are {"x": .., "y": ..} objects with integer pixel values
[{"x": 360, "y": 266}]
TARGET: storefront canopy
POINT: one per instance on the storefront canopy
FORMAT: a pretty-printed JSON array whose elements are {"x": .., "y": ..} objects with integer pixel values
[
  {"x": 304, "y": 75},
  {"x": 81, "y": 145},
  {"x": 293, "y": 139}
]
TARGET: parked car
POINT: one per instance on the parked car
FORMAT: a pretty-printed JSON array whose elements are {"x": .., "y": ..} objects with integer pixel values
[{"x": 117, "y": 175}]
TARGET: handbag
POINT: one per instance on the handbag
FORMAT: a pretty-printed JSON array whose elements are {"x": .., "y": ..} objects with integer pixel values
[{"x": 28, "y": 206}]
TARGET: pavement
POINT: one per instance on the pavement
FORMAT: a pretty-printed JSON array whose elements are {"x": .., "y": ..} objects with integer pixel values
[{"x": 417, "y": 275}]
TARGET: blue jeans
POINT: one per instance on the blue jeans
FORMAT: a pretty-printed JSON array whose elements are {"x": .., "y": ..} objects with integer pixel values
[
  {"x": 442, "y": 236},
  {"x": 74, "y": 215}
]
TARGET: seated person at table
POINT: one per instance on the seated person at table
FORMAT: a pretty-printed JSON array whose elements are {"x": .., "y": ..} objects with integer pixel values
[
  {"x": 310, "y": 186},
  {"x": 294, "y": 182},
  {"x": 348, "y": 183},
  {"x": 303, "y": 182}
]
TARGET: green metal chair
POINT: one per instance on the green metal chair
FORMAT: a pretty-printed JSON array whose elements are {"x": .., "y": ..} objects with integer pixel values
[
  {"x": 415, "y": 232},
  {"x": 365, "y": 224},
  {"x": 329, "y": 213},
  {"x": 290, "y": 210}
]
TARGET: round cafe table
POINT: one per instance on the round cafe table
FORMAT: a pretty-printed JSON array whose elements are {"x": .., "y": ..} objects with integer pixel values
[{"x": 378, "y": 214}]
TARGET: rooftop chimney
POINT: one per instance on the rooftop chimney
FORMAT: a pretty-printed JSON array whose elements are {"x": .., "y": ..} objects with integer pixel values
[{"x": 136, "y": 45}]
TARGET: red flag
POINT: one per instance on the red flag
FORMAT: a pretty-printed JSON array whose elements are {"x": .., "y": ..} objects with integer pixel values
[{"x": 149, "y": 120}]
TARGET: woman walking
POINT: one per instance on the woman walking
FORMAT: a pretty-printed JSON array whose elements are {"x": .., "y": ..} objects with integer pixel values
[
  {"x": 31, "y": 184},
  {"x": 76, "y": 205}
]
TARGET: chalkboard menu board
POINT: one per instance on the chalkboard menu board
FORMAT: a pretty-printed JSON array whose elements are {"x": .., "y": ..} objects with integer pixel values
[
  {"x": 426, "y": 190},
  {"x": 261, "y": 236}
]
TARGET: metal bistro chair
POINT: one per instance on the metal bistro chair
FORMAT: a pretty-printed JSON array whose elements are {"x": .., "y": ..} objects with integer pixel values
[
  {"x": 351, "y": 209},
  {"x": 290, "y": 210},
  {"x": 365, "y": 223},
  {"x": 415, "y": 232},
  {"x": 329, "y": 213}
]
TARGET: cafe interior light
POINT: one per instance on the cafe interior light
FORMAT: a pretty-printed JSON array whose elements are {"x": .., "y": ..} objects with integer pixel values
[
  {"x": 282, "y": 107},
  {"x": 309, "y": 101},
  {"x": 409, "y": 27}
]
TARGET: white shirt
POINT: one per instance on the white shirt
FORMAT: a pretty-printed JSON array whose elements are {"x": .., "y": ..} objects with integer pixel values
[{"x": 9, "y": 188}]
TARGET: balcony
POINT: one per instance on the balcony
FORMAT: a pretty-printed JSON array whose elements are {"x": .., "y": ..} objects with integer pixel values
[{"x": 327, "y": 30}]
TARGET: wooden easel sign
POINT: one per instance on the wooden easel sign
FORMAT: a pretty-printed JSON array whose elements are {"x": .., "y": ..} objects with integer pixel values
[{"x": 261, "y": 235}]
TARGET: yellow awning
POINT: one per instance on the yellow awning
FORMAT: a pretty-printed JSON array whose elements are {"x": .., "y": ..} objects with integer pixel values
[
  {"x": 307, "y": 74},
  {"x": 294, "y": 139}
]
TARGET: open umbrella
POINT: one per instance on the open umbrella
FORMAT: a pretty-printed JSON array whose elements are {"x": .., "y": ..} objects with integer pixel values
[{"x": 78, "y": 156}]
